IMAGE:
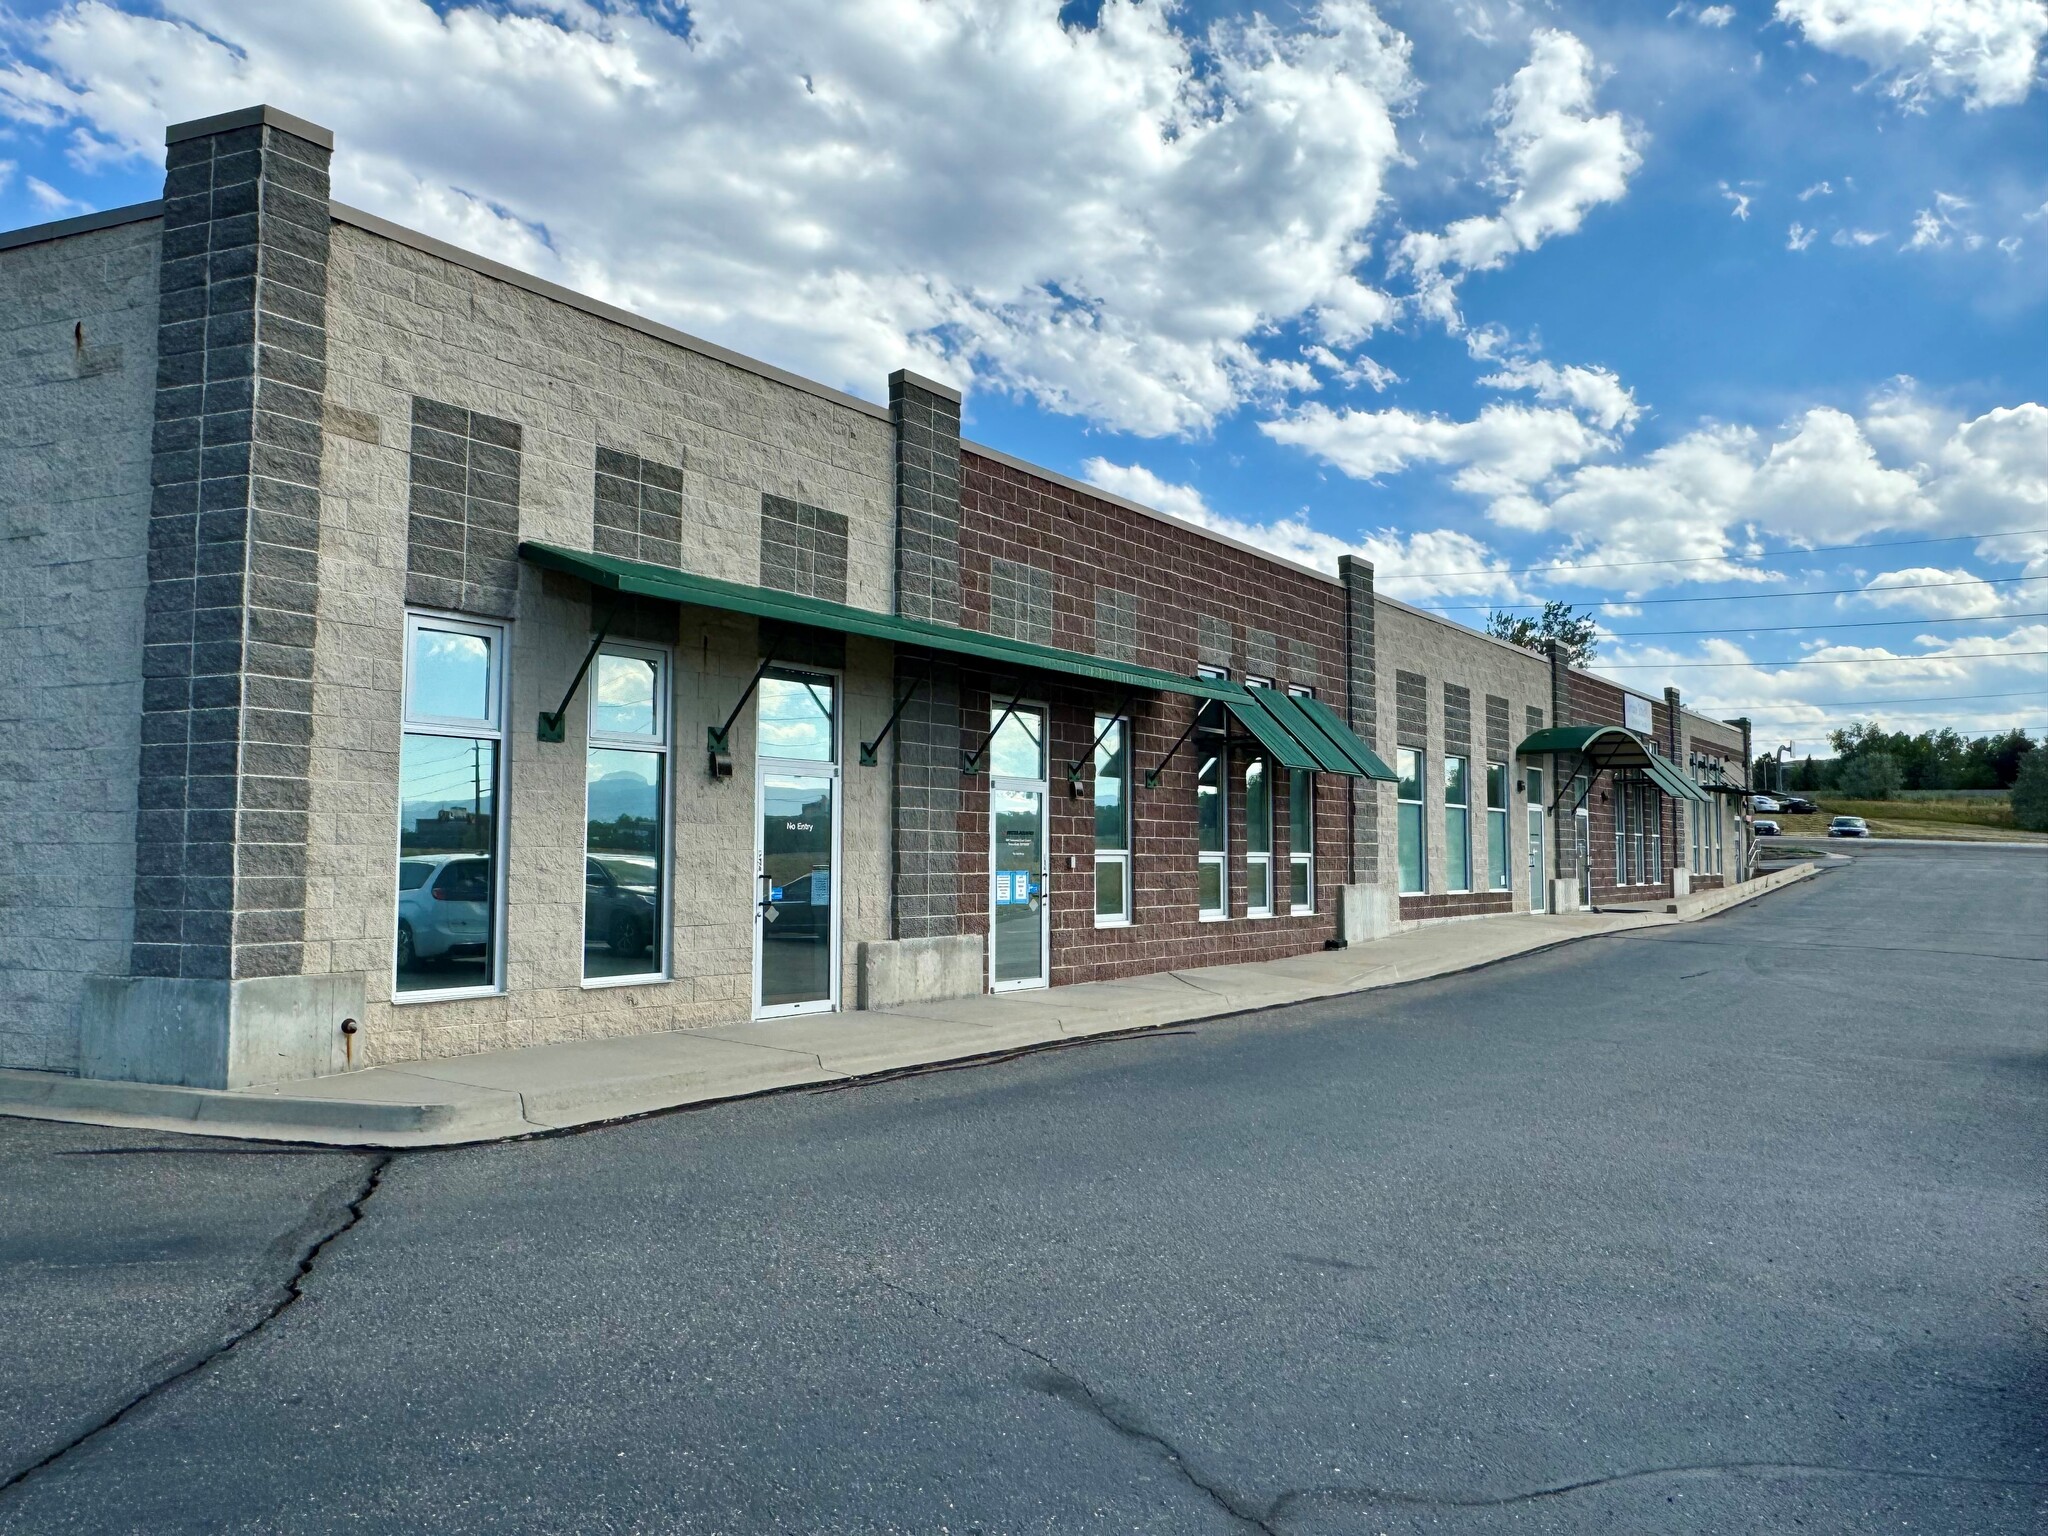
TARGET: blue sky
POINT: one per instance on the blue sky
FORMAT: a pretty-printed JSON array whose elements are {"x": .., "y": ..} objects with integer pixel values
[{"x": 1466, "y": 286}]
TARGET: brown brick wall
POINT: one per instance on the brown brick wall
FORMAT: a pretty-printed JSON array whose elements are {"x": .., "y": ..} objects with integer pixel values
[{"x": 1176, "y": 575}]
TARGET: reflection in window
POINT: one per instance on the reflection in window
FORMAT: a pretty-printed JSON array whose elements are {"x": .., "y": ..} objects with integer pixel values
[
  {"x": 1112, "y": 821},
  {"x": 1258, "y": 838},
  {"x": 1301, "y": 831},
  {"x": 1212, "y": 856},
  {"x": 1409, "y": 766},
  {"x": 1457, "y": 824},
  {"x": 1497, "y": 826},
  {"x": 450, "y": 764},
  {"x": 625, "y": 837},
  {"x": 797, "y": 713},
  {"x": 450, "y": 673},
  {"x": 1018, "y": 751}
]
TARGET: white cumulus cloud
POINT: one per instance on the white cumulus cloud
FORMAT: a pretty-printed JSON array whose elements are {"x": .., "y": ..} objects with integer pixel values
[
  {"x": 1985, "y": 51},
  {"x": 1103, "y": 219},
  {"x": 1555, "y": 161}
]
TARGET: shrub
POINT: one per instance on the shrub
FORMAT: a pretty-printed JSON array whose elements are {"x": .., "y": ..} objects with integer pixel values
[{"x": 2030, "y": 792}]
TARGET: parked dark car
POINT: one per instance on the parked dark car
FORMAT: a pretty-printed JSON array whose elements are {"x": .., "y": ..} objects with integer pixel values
[
  {"x": 619, "y": 902},
  {"x": 1848, "y": 826},
  {"x": 1798, "y": 805},
  {"x": 1765, "y": 827}
]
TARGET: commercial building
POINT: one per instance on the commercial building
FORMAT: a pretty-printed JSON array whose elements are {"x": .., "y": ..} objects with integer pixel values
[{"x": 411, "y": 657}]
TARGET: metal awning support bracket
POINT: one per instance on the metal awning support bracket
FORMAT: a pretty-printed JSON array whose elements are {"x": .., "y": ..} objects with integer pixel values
[
  {"x": 970, "y": 762},
  {"x": 550, "y": 727},
  {"x": 1074, "y": 768},
  {"x": 1152, "y": 774},
  {"x": 870, "y": 751},
  {"x": 718, "y": 738}
]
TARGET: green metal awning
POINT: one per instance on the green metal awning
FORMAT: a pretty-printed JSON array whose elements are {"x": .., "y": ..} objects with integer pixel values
[
  {"x": 1365, "y": 763},
  {"x": 1327, "y": 752},
  {"x": 1604, "y": 747},
  {"x": 665, "y": 583},
  {"x": 1265, "y": 725}
]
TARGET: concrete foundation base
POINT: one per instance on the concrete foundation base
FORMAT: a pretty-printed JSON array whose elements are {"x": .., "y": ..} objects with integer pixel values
[
  {"x": 1365, "y": 913},
  {"x": 216, "y": 1034},
  {"x": 1564, "y": 895},
  {"x": 892, "y": 972}
]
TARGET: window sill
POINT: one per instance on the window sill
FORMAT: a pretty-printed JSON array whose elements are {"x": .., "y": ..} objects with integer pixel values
[
  {"x": 1301, "y": 911},
  {"x": 601, "y": 983},
  {"x": 449, "y": 995},
  {"x": 1113, "y": 922},
  {"x": 1213, "y": 917}
]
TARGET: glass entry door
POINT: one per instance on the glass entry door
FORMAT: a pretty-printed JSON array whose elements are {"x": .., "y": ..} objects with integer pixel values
[
  {"x": 1538, "y": 896},
  {"x": 1019, "y": 901},
  {"x": 796, "y": 846}
]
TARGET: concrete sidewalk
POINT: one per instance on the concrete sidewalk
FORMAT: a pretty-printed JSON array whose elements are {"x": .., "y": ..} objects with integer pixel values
[{"x": 524, "y": 1092}]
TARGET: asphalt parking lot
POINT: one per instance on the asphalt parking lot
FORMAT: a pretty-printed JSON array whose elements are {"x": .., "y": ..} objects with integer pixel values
[{"x": 1735, "y": 1226}]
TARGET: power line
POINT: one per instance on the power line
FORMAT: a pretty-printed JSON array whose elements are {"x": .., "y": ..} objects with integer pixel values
[
  {"x": 1925, "y": 698},
  {"x": 1776, "y": 629},
  {"x": 1762, "y": 554},
  {"x": 1736, "y": 597},
  {"x": 1820, "y": 661}
]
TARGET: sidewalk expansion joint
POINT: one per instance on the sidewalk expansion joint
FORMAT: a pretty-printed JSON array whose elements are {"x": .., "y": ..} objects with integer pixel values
[{"x": 183, "y": 1367}]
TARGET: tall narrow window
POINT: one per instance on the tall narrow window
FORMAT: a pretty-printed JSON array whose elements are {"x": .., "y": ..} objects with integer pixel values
[
  {"x": 1496, "y": 826},
  {"x": 1112, "y": 821},
  {"x": 1258, "y": 839},
  {"x": 1212, "y": 811},
  {"x": 1653, "y": 826},
  {"x": 450, "y": 764},
  {"x": 1301, "y": 833},
  {"x": 625, "y": 826},
  {"x": 1458, "y": 823},
  {"x": 1414, "y": 865},
  {"x": 1621, "y": 808},
  {"x": 1258, "y": 828}
]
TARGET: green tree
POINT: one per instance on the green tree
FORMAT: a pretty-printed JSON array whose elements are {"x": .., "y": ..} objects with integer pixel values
[
  {"x": 1575, "y": 631},
  {"x": 2030, "y": 792},
  {"x": 1871, "y": 776}
]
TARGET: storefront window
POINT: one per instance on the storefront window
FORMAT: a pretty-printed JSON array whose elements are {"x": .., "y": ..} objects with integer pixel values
[
  {"x": 1112, "y": 821},
  {"x": 1301, "y": 833},
  {"x": 1409, "y": 767},
  {"x": 625, "y": 848},
  {"x": 1457, "y": 823},
  {"x": 450, "y": 906},
  {"x": 1497, "y": 826},
  {"x": 1258, "y": 839},
  {"x": 1212, "y": 809}
]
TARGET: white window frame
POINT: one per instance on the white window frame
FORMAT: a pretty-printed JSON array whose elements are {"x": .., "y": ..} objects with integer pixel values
[
  {"x": 1507, "y": 854},
  {"x": 1123, "y": 856},
  {"x": 1294, "y": 908},
  {"x": 1421, "y": 777},
  {"x": 657, "y": 745},
  {"x": 766, "y": 765},
  {"x": 1259, "y": 861},
  {"x": 1464, "y": 810},
  {"x": 499, "y": 637},
  {"x": 1041, "y": 787},
  {"x": 1221, "y": 745}
]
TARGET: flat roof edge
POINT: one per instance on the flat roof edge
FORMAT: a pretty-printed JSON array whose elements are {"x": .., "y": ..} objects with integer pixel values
[
  {"x": 376, "y": 224},
  {"x": 81, "y": 224},
  {"x": 1026, "y": 467}
]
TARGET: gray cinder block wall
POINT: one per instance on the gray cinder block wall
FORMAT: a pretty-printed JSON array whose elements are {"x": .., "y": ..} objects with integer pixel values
[{"x": 78, "y": 319}]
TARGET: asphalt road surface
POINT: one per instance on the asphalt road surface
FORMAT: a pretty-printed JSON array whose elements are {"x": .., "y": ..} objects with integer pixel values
[{"x": 1735, "y": 1227}]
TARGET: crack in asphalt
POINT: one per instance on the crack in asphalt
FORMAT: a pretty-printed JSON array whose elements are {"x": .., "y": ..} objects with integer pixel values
[
  {"x": 1062, "y": 1383},
  {"x": 302, "y": 1245},
  {"x": 1368, "y": 1495}
]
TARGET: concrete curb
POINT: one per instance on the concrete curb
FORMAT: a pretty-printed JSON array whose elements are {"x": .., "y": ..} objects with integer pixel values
[{"x": 475, "y": 1113}]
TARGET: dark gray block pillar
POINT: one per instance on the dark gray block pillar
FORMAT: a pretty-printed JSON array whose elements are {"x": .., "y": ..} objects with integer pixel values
[
  {"x": 220, "y": 887},
  {"x": 925, "y": 815},
  {"x": 1565, "y": 853},
  {"x": 1362, "y": 694}
]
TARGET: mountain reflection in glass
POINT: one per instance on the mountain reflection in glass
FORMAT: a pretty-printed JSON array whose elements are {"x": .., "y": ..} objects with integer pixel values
[
  {"x": 622, "y": 865},
  {"x": 446, "y": 837}
]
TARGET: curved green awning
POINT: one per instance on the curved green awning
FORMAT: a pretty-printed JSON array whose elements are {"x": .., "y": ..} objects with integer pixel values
[{"x": 1606, "y": 747}]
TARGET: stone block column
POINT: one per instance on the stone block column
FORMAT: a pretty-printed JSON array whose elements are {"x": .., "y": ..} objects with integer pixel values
[
  {"x": 220, "y": 890},
  {"x": 925, "y": 814},
  {"x": 1362, "y": 712}
]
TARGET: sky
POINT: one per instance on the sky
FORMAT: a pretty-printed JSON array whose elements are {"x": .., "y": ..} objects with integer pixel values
[{"x": 1728, "y": 322}]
